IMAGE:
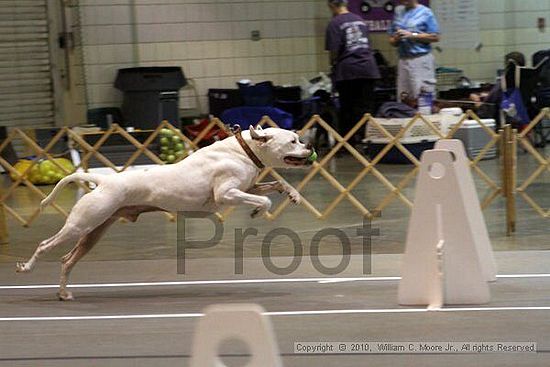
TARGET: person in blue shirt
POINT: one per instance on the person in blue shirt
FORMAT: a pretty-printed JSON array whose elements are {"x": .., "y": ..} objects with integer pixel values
[{"x": 413, "y": 30}]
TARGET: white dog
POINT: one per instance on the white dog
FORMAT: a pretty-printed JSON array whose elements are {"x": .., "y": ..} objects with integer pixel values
[{"x": 221, "y": 174}]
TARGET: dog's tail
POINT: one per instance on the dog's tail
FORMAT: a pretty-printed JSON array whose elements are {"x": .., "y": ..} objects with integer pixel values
[{"x": 89, "y": 177}]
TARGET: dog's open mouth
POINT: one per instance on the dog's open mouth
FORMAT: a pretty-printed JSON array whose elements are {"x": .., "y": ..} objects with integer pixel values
[{"x": 296, "y": 161}]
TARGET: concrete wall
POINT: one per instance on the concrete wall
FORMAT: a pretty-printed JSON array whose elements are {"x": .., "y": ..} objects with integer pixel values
[
  {"x": 522, "y": 15},
  {"x": 210, "y": 39},
  {"x": 506, "y": 25}
]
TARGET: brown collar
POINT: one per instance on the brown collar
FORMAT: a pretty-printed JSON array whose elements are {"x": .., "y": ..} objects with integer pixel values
[{"x": 247, "y": 149}]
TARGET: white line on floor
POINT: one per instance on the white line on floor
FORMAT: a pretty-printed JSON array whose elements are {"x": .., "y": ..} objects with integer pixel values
[
  {"x": 197, "y": 282},
  {"x": 237, "y": 281},
  {"x": 275, "y": 313}
]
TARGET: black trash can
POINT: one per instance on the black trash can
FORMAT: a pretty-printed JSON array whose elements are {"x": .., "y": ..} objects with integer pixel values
[
  {"x": 150, "y": 95},
  {"x": 220, "y": 100}
]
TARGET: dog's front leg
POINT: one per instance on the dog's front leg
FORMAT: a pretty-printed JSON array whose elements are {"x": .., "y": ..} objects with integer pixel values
[
  {"x": 265, "y": 188},
  {"x": 235, "y": 196}
]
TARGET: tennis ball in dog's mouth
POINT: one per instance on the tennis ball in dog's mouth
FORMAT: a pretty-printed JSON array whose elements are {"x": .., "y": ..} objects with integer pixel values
[{"x": 312, "y": 157}]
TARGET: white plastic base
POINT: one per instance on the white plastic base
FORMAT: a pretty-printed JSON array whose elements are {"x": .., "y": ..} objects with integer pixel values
[
  {"x": 446, "y": 260},
  {"x": 475, "y": 215},
  {"x": 244, "y": 322}
]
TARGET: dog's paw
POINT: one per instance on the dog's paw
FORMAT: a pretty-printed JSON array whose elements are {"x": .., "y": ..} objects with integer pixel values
[
  {"x": 22, "y": 267},
  {"x": 294, "y": 196},
  {"x": 261, "y": 210},
  {"x": 257, "y": 212},
  {"x": 65, "y": 296}
]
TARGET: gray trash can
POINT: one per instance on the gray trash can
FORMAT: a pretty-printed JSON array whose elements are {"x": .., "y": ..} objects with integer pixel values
[{"x": 150, "y": 95}]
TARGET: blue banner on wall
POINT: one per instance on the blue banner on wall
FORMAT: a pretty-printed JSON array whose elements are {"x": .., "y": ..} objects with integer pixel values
[{"x": 378, "y": 14}]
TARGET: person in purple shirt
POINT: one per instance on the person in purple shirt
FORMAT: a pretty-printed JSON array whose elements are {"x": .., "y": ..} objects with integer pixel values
[{"x": 354, "y": 68}]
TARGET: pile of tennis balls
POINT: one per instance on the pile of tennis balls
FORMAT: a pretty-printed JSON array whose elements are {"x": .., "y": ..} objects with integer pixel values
[
  {"x": 44, "y": 172},
  {"x": 172, "y": 149}
]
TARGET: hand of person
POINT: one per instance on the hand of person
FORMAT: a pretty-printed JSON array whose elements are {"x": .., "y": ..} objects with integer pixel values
[
  {"x": 397, "y": 35},
  {"x": 404, "y": 34},
  {"x": 476, "y": 98}
]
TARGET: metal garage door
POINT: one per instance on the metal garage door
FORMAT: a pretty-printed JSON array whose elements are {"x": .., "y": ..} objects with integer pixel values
[{"x": 26, "y": 94}]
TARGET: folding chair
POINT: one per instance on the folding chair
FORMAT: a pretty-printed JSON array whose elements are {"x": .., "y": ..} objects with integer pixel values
[
  {"x": 526, "y": 80},
  {"x": 542, "y": 130}
]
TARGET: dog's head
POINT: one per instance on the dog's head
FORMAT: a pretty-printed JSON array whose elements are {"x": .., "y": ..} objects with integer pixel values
[{"x": 279, "y": 148}]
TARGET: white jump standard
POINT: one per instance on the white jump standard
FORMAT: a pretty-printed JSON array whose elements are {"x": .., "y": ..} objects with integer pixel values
[
  {"x": 222, "y": 174},
  {"x": 448, "y": 256}
]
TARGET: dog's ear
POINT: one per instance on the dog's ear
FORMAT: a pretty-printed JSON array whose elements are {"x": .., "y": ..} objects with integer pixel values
[{"x": 258, "y": 134}]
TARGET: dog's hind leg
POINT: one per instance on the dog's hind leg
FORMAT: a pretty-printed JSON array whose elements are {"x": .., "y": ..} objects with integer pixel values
[
  {"x": 65, "y": 235},
  {"x": 90, "y": 212},
  {"x": 83, "y": 246},
  {"x": 86, "y": 243}
]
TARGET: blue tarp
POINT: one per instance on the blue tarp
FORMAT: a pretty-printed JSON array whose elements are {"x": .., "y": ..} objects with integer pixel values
[{"x": 246, "y": 116}]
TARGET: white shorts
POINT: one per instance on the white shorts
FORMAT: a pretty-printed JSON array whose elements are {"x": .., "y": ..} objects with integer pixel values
[{"x": 415, "y": 73}]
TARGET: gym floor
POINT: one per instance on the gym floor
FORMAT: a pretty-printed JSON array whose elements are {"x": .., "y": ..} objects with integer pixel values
[{"x": 132, "y": 308}]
